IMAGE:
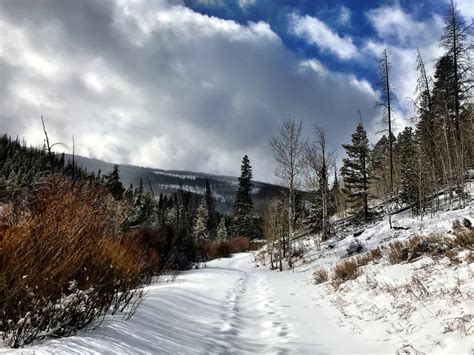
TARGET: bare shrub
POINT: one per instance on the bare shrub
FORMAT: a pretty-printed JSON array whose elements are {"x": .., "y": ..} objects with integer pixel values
[
  {"x": 435, "y": 245},
  {"x": 364, "y": 259},
  {"x": 239, "y": 244},
  {"x": 464, "y": 238},
  {"x": 376, "y": 254},
  {"x": 65, "y": 263},
  {"x": 397, "y": 252},
  {"x": 223, "y": 249},
  {"x": 320, "y": 275},
  {"x": 470, "y": 258},
  {"x": 344, "y": 271},
  {"x": 452, "y": 255}
]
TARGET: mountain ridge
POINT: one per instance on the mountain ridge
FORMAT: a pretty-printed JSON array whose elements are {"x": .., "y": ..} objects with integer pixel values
[{"x": 162, "y": 181}]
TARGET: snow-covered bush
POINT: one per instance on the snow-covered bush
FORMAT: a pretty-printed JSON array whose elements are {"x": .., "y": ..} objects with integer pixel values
[{"x": 65, "y": 262}]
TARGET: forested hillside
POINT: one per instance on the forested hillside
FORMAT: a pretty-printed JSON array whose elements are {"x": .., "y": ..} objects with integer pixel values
[{"x": 168, "y": 182}]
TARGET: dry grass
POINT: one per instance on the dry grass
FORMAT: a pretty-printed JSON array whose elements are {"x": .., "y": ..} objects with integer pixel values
[
  {"x": 69, "y": 246},
  {"x": 344, "y": 271},
  {"x": 376, "y": 254},
  {"x": 470, "y": 258},
  {"x": 320, "y": 276},
  {"x": 435, "y": 245},
  {"x": 464, "y": 238}
]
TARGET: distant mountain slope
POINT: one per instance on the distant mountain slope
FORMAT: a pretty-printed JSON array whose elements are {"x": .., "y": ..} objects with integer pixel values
[{"x": 168, "y": 181}]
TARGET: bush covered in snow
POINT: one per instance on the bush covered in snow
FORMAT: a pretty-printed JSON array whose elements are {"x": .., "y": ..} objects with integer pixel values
[{"x": 65, "y": 261}]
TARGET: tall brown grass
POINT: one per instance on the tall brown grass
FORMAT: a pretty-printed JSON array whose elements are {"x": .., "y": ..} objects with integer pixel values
[
  {"x": 345, "y": 270},
  {"x": 65, "y": 262}
]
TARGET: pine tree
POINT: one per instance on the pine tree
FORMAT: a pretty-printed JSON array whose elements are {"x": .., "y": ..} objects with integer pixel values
[
  {"x": 315, "y": 214},
  {"x": 356, "y": 173},
  {"x": 243, "y": 209},
  {"x": 113, "y": 184},
  {"x": 408, "y": 153},
  {"x": 143, "y": 208},
  {"x": 379, "y": 166},
  {"x": 222, "y": 231},
  {"x": 201, "y": 220},
  {"x": 211, "y": 210},
  {"x": 335, "y": 195}
]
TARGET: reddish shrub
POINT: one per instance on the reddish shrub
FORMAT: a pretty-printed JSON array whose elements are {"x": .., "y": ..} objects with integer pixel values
[
  {"x": 69, "y": 246},
  {"x": 223, "y": 249}
]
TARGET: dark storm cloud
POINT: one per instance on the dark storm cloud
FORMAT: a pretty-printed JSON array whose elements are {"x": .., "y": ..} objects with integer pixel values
[{"x": 157, "y": 84}]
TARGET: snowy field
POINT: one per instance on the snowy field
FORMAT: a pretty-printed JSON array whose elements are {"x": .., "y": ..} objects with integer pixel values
[{"x": 232, "y": 306}]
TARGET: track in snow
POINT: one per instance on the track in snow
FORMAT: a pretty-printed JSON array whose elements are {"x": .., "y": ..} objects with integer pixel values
[{"x": 250, "y": 321}]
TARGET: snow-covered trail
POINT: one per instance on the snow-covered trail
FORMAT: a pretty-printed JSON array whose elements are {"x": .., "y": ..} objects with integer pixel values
[{"x": 227, "y": 307}]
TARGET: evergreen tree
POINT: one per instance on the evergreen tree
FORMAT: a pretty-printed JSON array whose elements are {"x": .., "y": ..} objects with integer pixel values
[
  {"x": 211, "y": 210},
  {"x": 408, "y": 153},
  {"x": 222, "y": 231},
  {"x": 356, "y": 173},
  {"x": 113, "y": 184},
  {"x": 243, "y": 209},
  {"x": 315, "y": 214},
  {"x": 128, "y": 194},
  {"x": 143, "y": 208},
  {"x": 334, "y": 195},
  {"x": 201, "y": 220}
]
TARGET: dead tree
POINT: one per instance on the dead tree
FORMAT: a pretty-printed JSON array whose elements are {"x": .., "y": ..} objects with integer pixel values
[{"x": 386, "y": 104}]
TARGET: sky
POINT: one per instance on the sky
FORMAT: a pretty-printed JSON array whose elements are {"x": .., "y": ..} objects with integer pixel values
[{"x": 196, "y": 84}]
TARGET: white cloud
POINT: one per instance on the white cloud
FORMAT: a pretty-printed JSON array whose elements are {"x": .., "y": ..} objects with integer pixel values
[
  {"x": 401, "y": 35},
  {"x": 316, "y": 32},
  {"x": 245, "y": 4},
  {"x": 344, "y": 16},
  {"x": 182, "y": 90},
  {"x": 466, "y": 9},
  {"x": 159, "y": 151},
  {"x": 393, "y": 24},
  {"x": 211, "y": 3}
]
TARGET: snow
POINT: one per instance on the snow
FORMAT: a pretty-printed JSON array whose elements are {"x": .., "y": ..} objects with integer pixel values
[
  {"x": 180, "y": 176},
  {"x": 234, "y": 306},
  {"x": 194, "y": 189},
  {"x": 231, "y": 306}
]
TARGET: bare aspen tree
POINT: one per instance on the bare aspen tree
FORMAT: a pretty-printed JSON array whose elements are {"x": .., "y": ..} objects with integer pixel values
[
  {"x": 317, "y": 161},
  {"x": 273, "y": 229},
  {"x": 386, "y": 104},
  {"x": 288, "y": 149}
]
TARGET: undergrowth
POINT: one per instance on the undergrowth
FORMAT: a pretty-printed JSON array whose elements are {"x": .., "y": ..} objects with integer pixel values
[{"x": 65, "y": 262}]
